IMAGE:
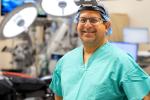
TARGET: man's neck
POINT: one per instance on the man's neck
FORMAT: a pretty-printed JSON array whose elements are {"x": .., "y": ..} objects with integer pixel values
[{"x": 89, "y": 49}]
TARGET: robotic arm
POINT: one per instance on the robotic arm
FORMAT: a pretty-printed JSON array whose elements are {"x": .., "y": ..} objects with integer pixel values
[{"x": 57, "y": 39}]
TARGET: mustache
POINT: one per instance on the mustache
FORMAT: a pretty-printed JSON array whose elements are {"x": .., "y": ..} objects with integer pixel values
[{"x": 88, "y": 31}]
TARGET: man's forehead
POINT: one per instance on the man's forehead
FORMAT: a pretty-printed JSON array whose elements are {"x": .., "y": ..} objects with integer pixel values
[{"x": 90, "y": 13}]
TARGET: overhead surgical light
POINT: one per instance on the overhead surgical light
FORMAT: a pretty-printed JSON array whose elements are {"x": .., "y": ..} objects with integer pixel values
[
  {"x": 17, "y": 21},
  {"x": 59, "y": 7}
]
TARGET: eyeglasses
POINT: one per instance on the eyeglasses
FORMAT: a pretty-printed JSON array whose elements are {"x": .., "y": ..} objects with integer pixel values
[{"x": 92, "y": 20}]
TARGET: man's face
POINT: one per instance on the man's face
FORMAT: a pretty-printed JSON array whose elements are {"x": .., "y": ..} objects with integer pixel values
[{"x": 91, "y": 28}]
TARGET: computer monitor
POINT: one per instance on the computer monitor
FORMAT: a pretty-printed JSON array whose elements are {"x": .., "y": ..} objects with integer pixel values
[
  {"x": 131, "y": 48},
  {"x": 136, "y": 35},
  {"x": 9, "y": 5}
]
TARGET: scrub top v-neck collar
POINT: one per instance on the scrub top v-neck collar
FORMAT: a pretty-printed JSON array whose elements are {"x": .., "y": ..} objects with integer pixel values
[{"x": 93, "y": 56}]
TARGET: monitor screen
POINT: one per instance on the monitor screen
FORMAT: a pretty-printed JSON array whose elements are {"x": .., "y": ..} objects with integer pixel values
[
  {"x": 9, "y": 5},
  {"x": 131, "y": 48},
  {"x": 136, "y": 35}
]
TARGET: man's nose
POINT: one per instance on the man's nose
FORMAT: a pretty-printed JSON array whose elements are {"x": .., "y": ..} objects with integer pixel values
[{"x": 88, "y": 23}]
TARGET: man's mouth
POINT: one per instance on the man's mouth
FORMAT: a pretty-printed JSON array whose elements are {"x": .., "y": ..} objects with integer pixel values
[{"x": 88, "y": 31}]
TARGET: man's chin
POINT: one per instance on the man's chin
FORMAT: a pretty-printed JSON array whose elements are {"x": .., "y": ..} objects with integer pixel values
[{"x": 88, "y": 41}]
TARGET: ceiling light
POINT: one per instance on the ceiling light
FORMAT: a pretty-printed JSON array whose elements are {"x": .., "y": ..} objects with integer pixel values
[
  {"x": 18, "y": 20},
  {"x": 59, "y": 7}
]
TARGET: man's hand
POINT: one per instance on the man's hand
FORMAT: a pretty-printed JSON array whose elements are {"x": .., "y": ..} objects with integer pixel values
[
  {"x": 147, "y": 97},
  {"x": 58, "y": 97}
]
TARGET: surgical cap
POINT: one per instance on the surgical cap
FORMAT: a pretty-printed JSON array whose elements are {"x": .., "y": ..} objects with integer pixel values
[{"x": 103, "y": 12}]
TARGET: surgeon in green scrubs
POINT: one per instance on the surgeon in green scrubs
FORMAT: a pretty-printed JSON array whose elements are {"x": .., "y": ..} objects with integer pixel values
[{"x": 97, "y": 70}]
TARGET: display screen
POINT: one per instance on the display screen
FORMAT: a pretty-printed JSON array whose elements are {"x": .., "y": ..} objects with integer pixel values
[
  {"x": 131, "y": 48},
  {"x": 136, "y": 35},
  {"x": 9, "y": 5}
]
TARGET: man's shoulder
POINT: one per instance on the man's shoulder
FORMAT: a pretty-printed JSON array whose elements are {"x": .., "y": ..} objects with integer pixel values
[
  {"x": 76, "y": 51},
  {"x": 118, "y": 53}
]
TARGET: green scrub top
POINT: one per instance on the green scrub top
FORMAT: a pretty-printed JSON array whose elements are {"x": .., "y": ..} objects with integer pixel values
[{"x": 109, "y": 74}]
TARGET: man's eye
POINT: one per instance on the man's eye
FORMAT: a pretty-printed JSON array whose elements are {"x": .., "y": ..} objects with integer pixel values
[
  {"x": 93, "y": 20},
  {"x": 82, "y": 20}
]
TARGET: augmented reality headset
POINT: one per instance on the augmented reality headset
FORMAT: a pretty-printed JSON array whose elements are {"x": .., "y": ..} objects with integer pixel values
[{"x": 86, "y": 2}]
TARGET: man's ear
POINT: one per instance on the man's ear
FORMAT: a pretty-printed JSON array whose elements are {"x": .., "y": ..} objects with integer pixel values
[
  {"x": 76, "y": 25},
  {"x": 107, "y": 25}
]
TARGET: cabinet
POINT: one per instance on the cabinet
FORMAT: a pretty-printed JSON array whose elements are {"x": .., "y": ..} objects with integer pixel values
[{"x": 119, "y": 21}]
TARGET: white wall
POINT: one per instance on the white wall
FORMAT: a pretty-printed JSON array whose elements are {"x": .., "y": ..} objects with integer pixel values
[{"x": 138, "y": 10}]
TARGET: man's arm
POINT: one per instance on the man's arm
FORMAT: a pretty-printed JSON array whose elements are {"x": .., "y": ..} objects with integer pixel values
[
  {"x": 147, "y": 97},
  {"x": 58, "y": 97}
]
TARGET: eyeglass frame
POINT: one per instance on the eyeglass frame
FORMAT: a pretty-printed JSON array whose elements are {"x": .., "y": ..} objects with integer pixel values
[{"x": 97, "y": 19}]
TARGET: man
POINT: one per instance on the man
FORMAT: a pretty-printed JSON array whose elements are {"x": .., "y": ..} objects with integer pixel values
[{"x": 97, "y": 70}]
